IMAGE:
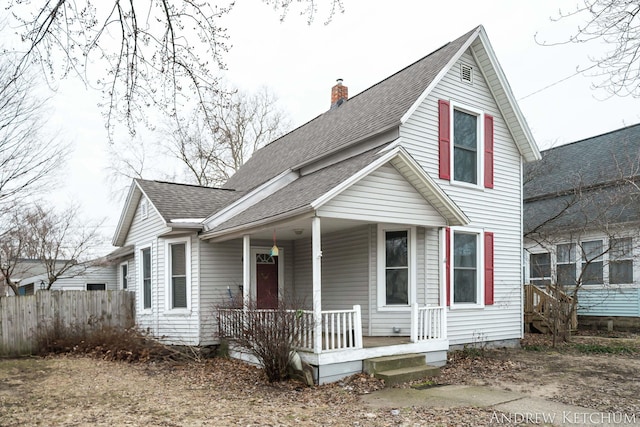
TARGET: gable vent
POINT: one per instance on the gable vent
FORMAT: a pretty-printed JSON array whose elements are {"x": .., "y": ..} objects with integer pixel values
[{"x": 466, "y": 73}]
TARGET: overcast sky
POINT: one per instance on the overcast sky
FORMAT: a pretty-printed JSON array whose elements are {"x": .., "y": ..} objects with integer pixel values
[{"x": 370, "y": 41}]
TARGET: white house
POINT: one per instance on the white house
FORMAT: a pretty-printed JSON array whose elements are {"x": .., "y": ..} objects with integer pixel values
[{"x": 397, "y": 212}]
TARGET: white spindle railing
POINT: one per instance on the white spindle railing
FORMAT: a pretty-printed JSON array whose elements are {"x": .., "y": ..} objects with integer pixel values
[
  {"x": 341, "y": 329},
  {"x": 427, "y": 323}
]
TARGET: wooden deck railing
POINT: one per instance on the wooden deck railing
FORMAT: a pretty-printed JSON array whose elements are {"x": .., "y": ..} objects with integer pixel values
[{"x": 542, "y": 305}]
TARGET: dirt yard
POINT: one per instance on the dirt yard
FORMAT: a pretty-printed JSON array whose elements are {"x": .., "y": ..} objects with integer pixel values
[{"x": 599, "y": 373}]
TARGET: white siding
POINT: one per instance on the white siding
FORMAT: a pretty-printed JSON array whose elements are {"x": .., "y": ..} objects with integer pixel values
[
  {"x": 221, "y": 279},
  {"x": 173, "y": 327},
  {"x": 383, "y": 321},
  {"x": 379, "y": 197},
  {"x": 103, "y": 274},
  {"x": 497, "y": 210},
  {"x": 345, "y": 278}
]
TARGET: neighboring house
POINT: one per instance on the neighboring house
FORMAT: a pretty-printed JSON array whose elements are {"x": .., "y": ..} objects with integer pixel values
[
  {"x": 581, "y": 225},
  {"x": 398, "y": 212},
  {"x": 107, "y": 273}
]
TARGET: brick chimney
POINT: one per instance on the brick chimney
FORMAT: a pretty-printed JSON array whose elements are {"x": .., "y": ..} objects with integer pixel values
[{"x": 339, "y": 94}]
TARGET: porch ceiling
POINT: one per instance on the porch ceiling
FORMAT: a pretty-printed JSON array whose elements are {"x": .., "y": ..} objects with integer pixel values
[{"x": 301, "y": 228}]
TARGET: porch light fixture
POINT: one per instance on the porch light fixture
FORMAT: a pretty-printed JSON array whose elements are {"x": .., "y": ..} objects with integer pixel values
[
  {"x": 298, "y": 231},
  {"x": 274, "y": 249}
]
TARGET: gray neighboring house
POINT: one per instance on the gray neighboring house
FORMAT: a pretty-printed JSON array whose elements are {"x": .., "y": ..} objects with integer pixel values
[
  {"x": 110, "y": 272},
  {"x": 396, "y": 213},
  {"x": 584, "y": 198}
]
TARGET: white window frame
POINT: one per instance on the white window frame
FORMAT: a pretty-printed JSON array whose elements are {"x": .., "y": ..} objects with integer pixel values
[
  {"x": 122, "y": 277},
  {"x": 613, "y": 257},
  {"x": 167, "y": 262},
  {"x": 480, "y": 147},
  {"x": 381, "y": 261},
  {"x": 555, "y": 261},
  {"x": 479, "y": 304},
  {"x": 86, "y": 285},
  {"x": 600, "y": 259},
  {"x": 542, "y": 251},
  {"x": 141, "y": 277}
]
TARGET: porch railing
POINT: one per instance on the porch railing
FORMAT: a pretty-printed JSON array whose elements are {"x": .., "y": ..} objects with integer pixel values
[
  {"x": 338, "y": 329},
  {"x": 428, "y": 323}
]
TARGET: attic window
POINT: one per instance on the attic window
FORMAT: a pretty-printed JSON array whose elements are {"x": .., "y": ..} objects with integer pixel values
[
  {"x": 144, "y": 209},
  {"x": 466, "y": 73}
]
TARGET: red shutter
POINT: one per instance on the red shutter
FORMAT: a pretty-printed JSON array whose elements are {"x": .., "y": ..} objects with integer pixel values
[
  {"x": 444, "y": 137},
  {"x": 488, "y": 268},
  {"x": 488, "y": 151},
  {"x": 447, "y": 257}
]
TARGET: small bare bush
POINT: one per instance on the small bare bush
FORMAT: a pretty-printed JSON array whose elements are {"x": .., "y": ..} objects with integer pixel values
[
  {"x": 271, "y": 335},
  {"x": 107, "y": 343}
]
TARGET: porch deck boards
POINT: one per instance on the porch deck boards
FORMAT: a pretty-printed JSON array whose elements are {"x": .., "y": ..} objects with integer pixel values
[{"x": 371, "y": 342}]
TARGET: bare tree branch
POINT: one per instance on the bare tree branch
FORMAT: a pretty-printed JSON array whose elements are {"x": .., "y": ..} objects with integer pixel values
[{"x": 616, "y": 23}]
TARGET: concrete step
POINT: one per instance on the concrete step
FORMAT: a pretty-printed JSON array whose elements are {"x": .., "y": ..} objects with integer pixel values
[
  {"x": 402, "y": 375},
  {"x": 387, "y": 363}
]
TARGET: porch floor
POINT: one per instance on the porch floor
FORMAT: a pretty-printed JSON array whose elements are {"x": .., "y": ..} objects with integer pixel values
[{"x": 371, "y": 342}]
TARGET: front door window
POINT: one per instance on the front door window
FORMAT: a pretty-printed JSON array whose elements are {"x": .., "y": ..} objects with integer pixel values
[{"x": 266, "y": 281}]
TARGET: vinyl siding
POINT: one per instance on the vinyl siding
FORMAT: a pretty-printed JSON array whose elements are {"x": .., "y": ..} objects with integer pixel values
[
  {"x": 379, "y": 197},
  {"x": 221, "y": 279},
  {"x": 383, "y": 321},
  {"x": 172, "y": 327},
  {"x": 105, "y": 274},
  {"x": 597, "y": 300},
  {"x": 620, "y": 302},
  {"x": 497, "y": 210},
  {"x": 345, "y": 263}
]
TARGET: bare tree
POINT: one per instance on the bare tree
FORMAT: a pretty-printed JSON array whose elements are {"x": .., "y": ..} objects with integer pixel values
[
  {"x": 616, "y": 23},
  {"x": 60, "y": 241},
  {"x": 27, "y": 157},
  {"x": 581, "y": 216},
  {"x": 212, "y": 146},
  {"x": 13, "y": 247},
  {"x": 156, "y": 53}
]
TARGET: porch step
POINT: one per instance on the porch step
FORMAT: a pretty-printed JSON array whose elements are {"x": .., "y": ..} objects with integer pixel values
[
  {"x": 399, "y": 369},
  {"x": 402, "y": 375}
]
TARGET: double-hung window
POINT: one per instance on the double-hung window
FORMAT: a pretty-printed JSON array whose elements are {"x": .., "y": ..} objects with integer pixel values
[
  {"x": 566, "y": 264},
  {"x": 145, "y": 277},
  {"x": 178, "y": 274},
  {"x": 540, "y": 269},
  {"x": 621, "y": 261},
  {"x": 465, "y": 146},
  {"x": 466, "y": 263},
  {"x": 592, "y": 255},
  {"x": 178, "y": 267},
  {"x": 396, "y": 266}
]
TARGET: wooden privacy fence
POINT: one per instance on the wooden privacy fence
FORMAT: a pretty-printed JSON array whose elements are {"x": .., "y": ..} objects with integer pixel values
[{"x": 24, "y": 318}]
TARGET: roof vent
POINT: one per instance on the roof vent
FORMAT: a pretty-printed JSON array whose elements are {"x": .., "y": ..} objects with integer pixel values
[{"x": 466, "y": 73}]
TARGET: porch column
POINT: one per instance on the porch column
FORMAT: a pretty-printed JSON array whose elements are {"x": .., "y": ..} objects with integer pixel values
[
  {"x": 316, "y": 254},
  {"x": 246, "y": 270}
]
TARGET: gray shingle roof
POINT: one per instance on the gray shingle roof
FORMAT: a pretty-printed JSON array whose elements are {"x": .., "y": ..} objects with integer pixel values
[
  {"x": 300, "y": 193},
  {"x": 373, "y": 110},
  {"x": 584, "y": 184},
  {"x": 179, "y": 201},
  {"x": 584, "y": 163}
]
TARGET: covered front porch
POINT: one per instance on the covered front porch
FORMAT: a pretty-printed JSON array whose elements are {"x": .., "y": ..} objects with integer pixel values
[{"x": 361, "y": 258}]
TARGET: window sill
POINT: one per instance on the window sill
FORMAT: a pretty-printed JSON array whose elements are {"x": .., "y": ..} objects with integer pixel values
[
  {"x": 467, "y": 185},
  {"x": 178, "y": 312},
  {"x": 394, "y": 308},
  {"x": 461, "y": 307}
]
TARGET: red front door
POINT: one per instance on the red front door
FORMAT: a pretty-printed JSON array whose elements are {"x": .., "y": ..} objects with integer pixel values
[{"x": 266, "y": 281}]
